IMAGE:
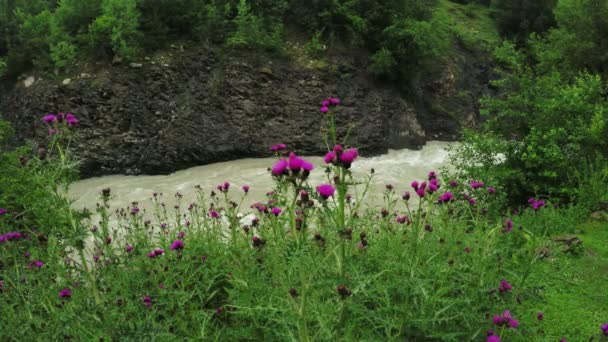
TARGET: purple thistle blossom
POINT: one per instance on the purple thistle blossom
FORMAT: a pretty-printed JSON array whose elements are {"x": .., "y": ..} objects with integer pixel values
[
  {"x": 49, "y": 118},
  {"x": 277, "y": 147},
  {"x": 415, "y": 185},
  {"x": 508, "y": 226},
  {"x": 504, "y": 286},
  {"x": 177, "y": 245},
  {"x": 325, "y": 103},
  {"x": 181, "y": 235},
  {"x": 214, "y": 214},
  {"x": 402, "y": 219},
  {"x": 420, "y": 192},
  {"x": 446, "y": 197},
  {"x": 330, "y": 157},
  {"x": 432, "y": 175},
  {"x": 349, "y": 156},
  {"x": 505, "y": 320},
  {"x": 65, "y": 293},
  {"x": 279, "y": 167},
  {"x": 540, "y": 316},
  {"x": 3, "y": 211},
  {"x": 453, "y": 183},
  {"x": 476, "y": 184},
  {"x": 245, "y": 188},
  {"x": 129, "y": 248},
  {"x": 36, "y": 263},
  {"x": 276, "y": 211},
  {"x": 326, "y": 190},
  {"x": 324, "y": 109},
  {"x": 334, "y": 101},
  {"x": 406, "y": 196},
  {"x": 71, "y": 119},
  {"x": 491, "y": 190},
  {"x": 147, "y": 301},
  {"x": 604, "y": 328},
  {"x": 493, "y": 338}
]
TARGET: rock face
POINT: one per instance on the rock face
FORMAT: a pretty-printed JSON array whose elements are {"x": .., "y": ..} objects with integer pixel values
[{"x": 203, "y": 107}]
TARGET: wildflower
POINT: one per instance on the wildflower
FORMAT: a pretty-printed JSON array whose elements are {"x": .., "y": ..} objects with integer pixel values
[
  {"x": 472, "y": 201},
  {"x": 505, "y": 320},
  {"x": 453, "y": 183},
  {"x": 330, "y": 157},
  {"x": 536, "y": 204},
  {"x": 476, "y": 184},
  {"x": 36, "y": 263},
  {"x": 65, "y": 293},
  {"x": 293, "y": 292},
  {"x": 604, "y": 328},
  {"x": 147, "y": 301},
  {"x": 176, "y": 245},
  {"x": 108, "y": 240},
  {"x": 415, "y": 185},
  {"x": 325, "y": 103},
  {"x": 276, "y": 211},
  {"x": 446, "y": 197},
  {"x": 432, "y": 175},
  {"x": 508, "y": 225},
  {"x": 402, "y": 219},
  {"x": 349, "y": 156},
  {"x": 181, "y": 235},
  {"x": 540, "y": 316},
  {"x": 71, "y": 119},
  {"x": 27, "y": 255},
  {"x": 49, "y": 118},
  {"x": 129, "y": 248},
  {"x": 324, "y": 109},
  {"x": 334, "y": 101},
  {"x": 156, "y": 252},
  {"x": 504, "y": 286},
  {"x": 214, "y": 214},
  {"x": 491, "y": 190},
  {"x": 468, "y": 249},
  {"x": 326, "y": 190},
  {"x": 277, "y": 147},
  {"x": 134, "y": 210},
  {"x": 343, "y": 291},
  {"x": 3, "y": 211},
  {"x": 256, "y": 241},
  {"x": 279, "y": 167},
  {"x": 245, "y": 188},
  {"x": 11, "y": 236},
  {"x": 420, "y": 192},
  {"x": 493, "y": 338}
]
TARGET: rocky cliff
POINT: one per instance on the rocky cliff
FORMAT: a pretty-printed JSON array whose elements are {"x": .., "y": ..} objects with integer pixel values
[{"x": 197, "y": 105}]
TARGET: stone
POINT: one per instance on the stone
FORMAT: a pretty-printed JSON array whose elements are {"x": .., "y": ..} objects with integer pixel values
[
  {"x": 66, "y": 81},
  {"x": 85, "y": 75},
  {"x": 135, "y": 65},
  {"x": 28, "y": 82}
]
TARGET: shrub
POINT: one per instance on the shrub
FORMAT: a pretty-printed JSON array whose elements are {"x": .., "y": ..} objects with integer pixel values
[{"x": 117, "y": 26}]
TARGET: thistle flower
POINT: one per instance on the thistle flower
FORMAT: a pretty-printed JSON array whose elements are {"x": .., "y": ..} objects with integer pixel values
[
  {"x": 604, "y": 328},
  {"x": 349, "y": 156},
  {"x": 181, "y": 235},
  {"x": 3, "y": 211},
  {"x": 420, "y": 192},
  {"x": 49, "y": 118},
  {"x": 508, "y": 226},
  {"x": 71, "y": 119},
  {"x": 504, "y": 286},
  {"x": 493, "y": 338},
  {"x": 326, "y": 190},
  {"x": 432, "y": 175},
  {"x": 505, "y": 320},
  {"x": 134, "y": 210},
  {"x": 65, "y": 293},
  {"x": 446, "y": 197},
  {"x": 476, "y": 184},
  {"x": 177, "y": 245},
  {"x": 325, "y": 103},
  {"x": 36, "y": 263},
  {"x": 324, "y": 109},
  {"x": 402, "y": 219},
  {"x": 214, "y": 214},
  {"x": 330, "y": 157},
  {"x": 536, "y": 204},
  {"x": 540, "y": 316},
  {"x": 245, "y": 188},
  {"x": 277, "y": 147},
  {"x": 406, "y": 196},
  {"x": 343, "y": 291},
  {"x": 334, "y": 101},
  {"x": 472, "y": 201},
  {"x": 491, "y": 190},
  {"x": 276, "y": 211},
  {"x": 453, "y": 183},
  {"x": 415, "y": 185},
  {"x": 279, "y": 167},
  {"x": 147, "y": 301},
  {"x": 129, "y": 248}
]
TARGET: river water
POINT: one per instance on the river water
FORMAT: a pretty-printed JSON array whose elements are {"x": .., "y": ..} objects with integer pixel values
[{"x": 398, "y": 167}]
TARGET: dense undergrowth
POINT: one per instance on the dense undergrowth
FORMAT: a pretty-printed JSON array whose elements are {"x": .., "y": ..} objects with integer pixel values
[{"x": 440, "y": 261}]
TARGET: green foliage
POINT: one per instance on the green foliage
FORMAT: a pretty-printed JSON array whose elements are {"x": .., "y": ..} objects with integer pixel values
[
  {"x": 578, "y": 43},
  {"x": 316, "y": 47},
  {"x": 63, "y": 54},
  {"x": 384, "y": 64},
  {"x": 542, "y": 129},
  {"x": 251, "y": 32},
  {"x": 118, "y": 25},
  {"x": 517, "y": 19}
]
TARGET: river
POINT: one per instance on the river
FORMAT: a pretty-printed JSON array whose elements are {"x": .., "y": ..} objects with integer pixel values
[{"x": 397, "y": 167}]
